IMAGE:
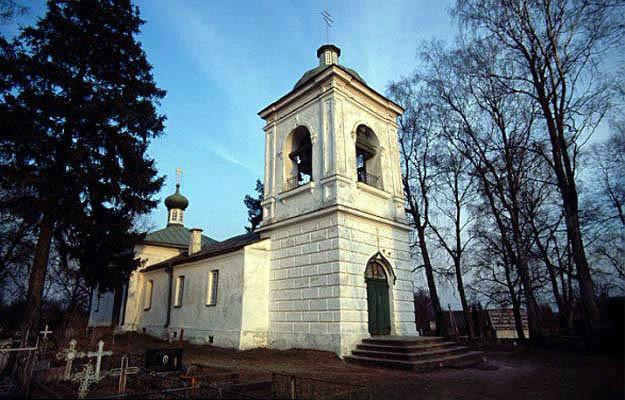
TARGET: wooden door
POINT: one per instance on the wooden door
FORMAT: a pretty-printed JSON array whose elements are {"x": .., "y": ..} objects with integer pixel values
[{"x": 378, "y": 307}]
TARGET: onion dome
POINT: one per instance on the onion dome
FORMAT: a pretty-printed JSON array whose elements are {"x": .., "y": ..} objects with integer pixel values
[{"x": 176, "y": 200}]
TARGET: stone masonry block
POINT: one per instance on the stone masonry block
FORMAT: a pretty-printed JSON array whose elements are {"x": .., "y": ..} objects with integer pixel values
[
  {"x": 320, "y": 304},
  {"x": 310, "y": 316}
]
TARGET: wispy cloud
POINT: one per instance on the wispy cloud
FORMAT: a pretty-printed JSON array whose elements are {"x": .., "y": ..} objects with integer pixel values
[{"x": 227, "y": 156}]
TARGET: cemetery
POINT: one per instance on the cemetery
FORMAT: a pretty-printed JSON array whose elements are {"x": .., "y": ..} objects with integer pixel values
[{"x": 105, "y": 364}]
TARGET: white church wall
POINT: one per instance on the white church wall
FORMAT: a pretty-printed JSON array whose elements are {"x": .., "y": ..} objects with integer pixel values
[
  {"x": 150, "y": 255},
  {"x": 239, "y": 317},
  {"x": 255, "y": 302},
  {"x": 151, "y": 320},
  {"x": 200, "y": 321}
]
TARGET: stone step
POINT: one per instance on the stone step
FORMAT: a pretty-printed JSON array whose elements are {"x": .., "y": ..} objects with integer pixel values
[
  {"x": 405, "y": 348},
  {"x": 402, "y": 340},
  {"x": 411, "y": 356},
  {"x": 465, "y": 359}
]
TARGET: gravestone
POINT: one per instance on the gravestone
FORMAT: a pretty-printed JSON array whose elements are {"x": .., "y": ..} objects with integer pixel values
[{"x": 163, "y": 359}]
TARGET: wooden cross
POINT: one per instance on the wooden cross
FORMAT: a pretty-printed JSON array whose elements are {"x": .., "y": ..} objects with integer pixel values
[
  {"x": 69, "y": 355},
  {"x": 86, "y": 377},
  {"x": 123, "y": 371},
  {"x": 45, "y": 332},
  {"x": 99, "y": 354}
]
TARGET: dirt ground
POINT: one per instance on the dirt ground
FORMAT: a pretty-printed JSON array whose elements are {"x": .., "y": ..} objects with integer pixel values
[{"x": 522, "y": 373}]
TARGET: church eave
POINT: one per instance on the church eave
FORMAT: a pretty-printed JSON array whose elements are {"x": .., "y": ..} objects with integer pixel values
[
  {"x": 216, "y": 249},
  {"x": 323, "y": 74}
]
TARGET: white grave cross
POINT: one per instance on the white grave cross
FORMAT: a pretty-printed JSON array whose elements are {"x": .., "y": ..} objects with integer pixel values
[
  {"x": 69, "y": 355},
  {"x": 45, "y": 332},
  {"x": 86, "y": 377},
  {"x": 99, "y": 354},
  {"x": 123, "y": 371}
]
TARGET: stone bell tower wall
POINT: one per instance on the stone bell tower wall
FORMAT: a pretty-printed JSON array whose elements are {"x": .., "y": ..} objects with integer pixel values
[
  {"x": 317, "y": 291},
  {"x": 361, "y": 238}
]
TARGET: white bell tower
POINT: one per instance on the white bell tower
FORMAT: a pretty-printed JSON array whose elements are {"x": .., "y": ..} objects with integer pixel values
[{"x": 333, "y": 203}]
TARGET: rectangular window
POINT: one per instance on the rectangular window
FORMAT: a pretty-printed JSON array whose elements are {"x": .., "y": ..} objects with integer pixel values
[
  {"x": 211, "y": 290},
  {"x": 179, "y": 291},
  {"x": 147, "y": 300}
]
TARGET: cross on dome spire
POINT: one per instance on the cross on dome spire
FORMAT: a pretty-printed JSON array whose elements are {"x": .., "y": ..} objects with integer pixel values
[
  {"x": 176, "y": 203},
  {"x": 178, "y": 176}
]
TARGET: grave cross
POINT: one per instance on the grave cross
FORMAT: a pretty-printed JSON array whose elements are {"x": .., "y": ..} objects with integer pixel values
[
  {"x": 123, "y": 371},
  {"x": 69, "y": 355},
  {"x": 86, "y": 377},
  {"x": 98, "y": 354},
  {"x": 45, "y": 332}
]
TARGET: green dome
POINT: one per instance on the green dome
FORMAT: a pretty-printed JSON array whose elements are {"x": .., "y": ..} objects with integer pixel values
[{"x": 176, "y": 200}]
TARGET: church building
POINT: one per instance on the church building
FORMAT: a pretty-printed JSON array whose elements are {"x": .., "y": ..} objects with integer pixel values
[{"x": 330, "y": 263}]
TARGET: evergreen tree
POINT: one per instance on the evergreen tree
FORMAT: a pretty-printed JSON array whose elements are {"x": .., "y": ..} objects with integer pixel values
[
  {"x": 77, "y": 113},
  {"x": 254, "y": 208}
]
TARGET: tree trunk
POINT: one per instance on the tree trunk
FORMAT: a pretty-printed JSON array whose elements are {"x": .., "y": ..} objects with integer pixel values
[
  {"x": 586, "y": 288},
  {"x": 429, "y": 273},
  {"x": 38, "y": 276},
  {"x": 463, "y": 299},
  {"x": 565, "y": 175},
  {"x": 516, "y": 308}
]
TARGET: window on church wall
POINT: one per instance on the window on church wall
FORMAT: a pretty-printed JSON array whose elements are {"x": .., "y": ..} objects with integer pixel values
[
  {"x": 298, "y": 160},
  {"x": 147, "y": 299},
  {"x": 179, "y": 293},
  {"x": 368, "y": 159},
  {"x": 211, "y": 289}
]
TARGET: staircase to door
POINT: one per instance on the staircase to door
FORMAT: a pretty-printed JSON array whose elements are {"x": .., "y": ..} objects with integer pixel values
[{"x": 419, "y": 353}]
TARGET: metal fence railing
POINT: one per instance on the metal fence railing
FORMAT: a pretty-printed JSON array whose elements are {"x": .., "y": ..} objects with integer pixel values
[
  {"x": 304, "y": 388},
  {"x": 295, "y": 182},
  {"x": 370, "y": 179}
]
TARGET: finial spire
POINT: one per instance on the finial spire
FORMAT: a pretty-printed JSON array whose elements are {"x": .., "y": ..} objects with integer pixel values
[
  {"x": 329, "y": 22},
  {"x": 178, "y": 176}
]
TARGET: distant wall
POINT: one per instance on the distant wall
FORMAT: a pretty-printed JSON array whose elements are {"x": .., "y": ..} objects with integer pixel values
[{"x": 101, "y": 313}]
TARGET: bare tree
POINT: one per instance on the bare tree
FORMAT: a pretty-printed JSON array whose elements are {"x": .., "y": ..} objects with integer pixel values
[
  {"x": 417, "y": 140},
  {"x": 491, "y": 126},
  {"x": 495, "y": 278},
  {"x": 454, "y": 193},
  {"x": 555, "y": 48}
]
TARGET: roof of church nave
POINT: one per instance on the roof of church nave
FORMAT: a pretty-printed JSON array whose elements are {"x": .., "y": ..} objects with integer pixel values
[
  {"x": 174, "y": 236},
  {"x": 211, "y": 250}
]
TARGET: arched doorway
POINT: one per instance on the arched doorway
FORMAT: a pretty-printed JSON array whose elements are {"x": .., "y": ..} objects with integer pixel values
[{"x": 378, "y": 306}]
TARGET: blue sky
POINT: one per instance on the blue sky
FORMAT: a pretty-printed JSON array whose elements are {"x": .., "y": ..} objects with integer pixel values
[{"x": 222, "y": 61}]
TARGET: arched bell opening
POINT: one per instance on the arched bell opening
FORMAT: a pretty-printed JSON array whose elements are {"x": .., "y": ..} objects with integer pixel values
[
  {"x": 298, "y": 160},
  {"x": 368, "y": 157}
]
